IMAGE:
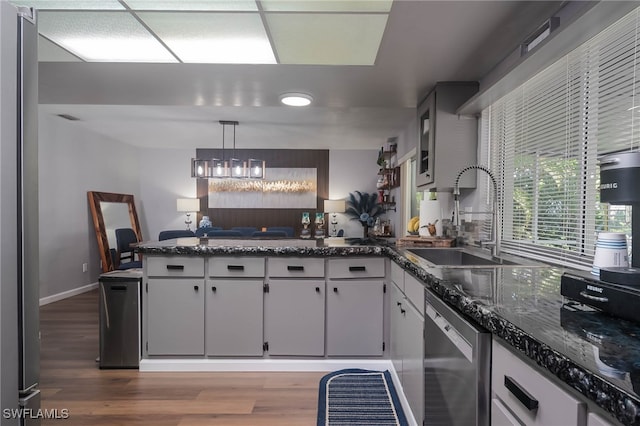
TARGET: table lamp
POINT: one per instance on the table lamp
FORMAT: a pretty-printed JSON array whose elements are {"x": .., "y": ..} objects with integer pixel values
[
  {"x": 332, "y": 207},
  {"x": 187, "y": 206}
]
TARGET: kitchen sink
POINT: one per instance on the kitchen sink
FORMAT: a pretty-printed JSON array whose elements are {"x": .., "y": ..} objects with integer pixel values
[{"x": 461, "y": 257}]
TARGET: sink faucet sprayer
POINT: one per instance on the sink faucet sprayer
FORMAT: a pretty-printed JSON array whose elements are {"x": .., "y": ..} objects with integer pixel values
[{"x": 495, "y": 243}]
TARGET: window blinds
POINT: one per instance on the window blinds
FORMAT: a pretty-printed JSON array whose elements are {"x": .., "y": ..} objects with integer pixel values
[{"x": 546, "y": 136}]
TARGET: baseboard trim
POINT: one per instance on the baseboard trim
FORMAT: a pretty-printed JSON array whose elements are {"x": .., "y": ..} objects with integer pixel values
[
  {"x": 67, "y": 294},
  {"x": 221, "y": 365}
]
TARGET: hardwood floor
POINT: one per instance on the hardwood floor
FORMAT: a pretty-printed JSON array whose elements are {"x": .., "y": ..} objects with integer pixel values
[{"x": 71, "y": 380}]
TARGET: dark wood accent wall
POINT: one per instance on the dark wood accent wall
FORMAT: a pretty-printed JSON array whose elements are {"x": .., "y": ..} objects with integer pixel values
[{"x": 274, "y": 158}]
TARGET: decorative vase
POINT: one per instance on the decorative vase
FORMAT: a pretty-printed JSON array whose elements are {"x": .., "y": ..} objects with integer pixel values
[
  {"x": 306, "y": 232},
  {"x": 319, "y": 222},
  {"x": 205, "y": 222}
]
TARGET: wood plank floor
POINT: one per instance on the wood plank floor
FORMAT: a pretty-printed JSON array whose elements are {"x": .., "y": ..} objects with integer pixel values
[{"x": 70, "y": 379}]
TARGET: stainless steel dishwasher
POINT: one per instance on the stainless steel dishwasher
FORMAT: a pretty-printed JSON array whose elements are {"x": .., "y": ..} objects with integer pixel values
[
  {"x": 457, "y": 366},
  {"x": 120, "y": 318}
]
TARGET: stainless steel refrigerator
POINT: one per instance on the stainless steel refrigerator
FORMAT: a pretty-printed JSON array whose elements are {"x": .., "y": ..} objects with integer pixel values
[{"x": 19, "y": 263}]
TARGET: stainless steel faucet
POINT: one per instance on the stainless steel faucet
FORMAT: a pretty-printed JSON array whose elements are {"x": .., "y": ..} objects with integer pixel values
[{"x": 495, "y": 242}]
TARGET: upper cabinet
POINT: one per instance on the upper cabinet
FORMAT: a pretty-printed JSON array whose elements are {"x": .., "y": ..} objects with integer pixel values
[{"x": 447, "y": 142}]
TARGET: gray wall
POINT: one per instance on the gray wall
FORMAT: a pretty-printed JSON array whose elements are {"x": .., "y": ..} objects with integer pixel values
[{"x": 72, "y": 162}]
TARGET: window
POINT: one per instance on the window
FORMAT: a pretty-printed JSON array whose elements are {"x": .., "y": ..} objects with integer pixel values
[{"x": 544, "y": 140}]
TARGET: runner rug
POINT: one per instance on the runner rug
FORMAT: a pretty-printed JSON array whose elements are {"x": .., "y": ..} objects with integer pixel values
[{"x": 359, "y": 397}]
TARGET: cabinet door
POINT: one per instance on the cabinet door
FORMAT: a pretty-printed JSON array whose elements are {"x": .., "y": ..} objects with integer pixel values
[
  {"x": 396, "y": 325},
  {"x": 426, "y": 141},
  {"x": 234, "y": 317},
  {"x": 412, "y": 363},
  {"x": 294, "y": 317},
  {"x": 355, "y": 318},
  {"x": 175, "y": 316}
]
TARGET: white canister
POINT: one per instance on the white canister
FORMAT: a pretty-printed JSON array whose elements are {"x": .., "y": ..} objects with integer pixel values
[
  {"x": 611, "y": 252},
  {"x": 430, "y": 213}
]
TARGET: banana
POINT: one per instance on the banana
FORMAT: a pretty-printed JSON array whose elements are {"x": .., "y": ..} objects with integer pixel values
[{"x": 414, "y": 224}]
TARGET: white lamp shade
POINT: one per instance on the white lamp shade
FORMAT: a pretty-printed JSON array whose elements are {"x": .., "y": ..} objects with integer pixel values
[
  {"x": 334, "y": 206},
  {"x": 188, "y": 205}
]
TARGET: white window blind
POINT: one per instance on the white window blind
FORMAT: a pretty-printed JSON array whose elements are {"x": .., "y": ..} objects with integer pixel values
[{"x": 545, "y": 138}]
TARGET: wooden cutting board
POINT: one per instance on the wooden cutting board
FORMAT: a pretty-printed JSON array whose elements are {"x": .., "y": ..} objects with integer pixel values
[{"x": 418, "y": 241}]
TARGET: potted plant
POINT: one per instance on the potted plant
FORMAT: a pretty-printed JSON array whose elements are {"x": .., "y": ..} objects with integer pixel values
[{"x": 365, "y": 208}]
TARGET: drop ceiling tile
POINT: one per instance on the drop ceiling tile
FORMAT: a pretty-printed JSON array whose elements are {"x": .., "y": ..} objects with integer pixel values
[
  {"x": 326, "y": 39},
  {"x": 102, "y": 36},
  {"x": 70, "y": 4},
  {"x": 202, "y": 5},
  {"x": 231, "y": 38},
  {"x": 326, "y": 5}
]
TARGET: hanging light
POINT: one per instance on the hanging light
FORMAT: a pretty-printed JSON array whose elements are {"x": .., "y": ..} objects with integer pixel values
[{"x": 235, "y": 167}]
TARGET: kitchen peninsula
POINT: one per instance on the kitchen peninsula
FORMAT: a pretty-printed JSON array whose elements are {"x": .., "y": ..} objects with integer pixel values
[{"x": 591, "y": 355}]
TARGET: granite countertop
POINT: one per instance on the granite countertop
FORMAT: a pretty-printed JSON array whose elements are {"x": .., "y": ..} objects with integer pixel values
[
  {"x": 595, "y": 354},
  {"x": 264, "y": 247}
]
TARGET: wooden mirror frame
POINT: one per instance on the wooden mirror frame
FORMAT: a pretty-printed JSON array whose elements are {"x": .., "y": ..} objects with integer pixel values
[{"x": 98, "y": 222}]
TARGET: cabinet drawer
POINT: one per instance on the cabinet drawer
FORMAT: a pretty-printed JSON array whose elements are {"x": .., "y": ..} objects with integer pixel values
[
  {"x": 356, "y": 267},
  {"x": 174, "y": 266},
  {"x": 397, "y": 275},
  {"x": 414, "y": 290},
  {"x": 236, "y": 267},
  {"x": 529, "y": 395},
  {"x": 296, "y": 267}
]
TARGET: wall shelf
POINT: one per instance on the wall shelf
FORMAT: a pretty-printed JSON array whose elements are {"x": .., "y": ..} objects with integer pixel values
[{"x": 388, "y": 179}]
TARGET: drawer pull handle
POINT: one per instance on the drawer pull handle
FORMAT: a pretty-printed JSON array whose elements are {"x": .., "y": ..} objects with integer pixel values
[
  {"x": 295, "y": 268},
  {"x": 595, "y": 298},
  {"x": 235, "y": 267},
  {"x": 214, "y": 289},
  {"x": 335, "y": 289},
  {"x": 402, "y": 311},
  {"x": 175, "y": 267},
  {"x": 118, "y": 288},
  {"x": 317, "y": 289},
  {"x": 357, "y": 268},
  {"x": 520, "y": 393},
  {"x": 196, "y": 288},
  {"x": 398, "y": 303}
]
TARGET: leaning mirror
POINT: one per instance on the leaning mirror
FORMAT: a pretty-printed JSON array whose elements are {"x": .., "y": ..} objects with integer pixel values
[{"x": 109, "y": 212}]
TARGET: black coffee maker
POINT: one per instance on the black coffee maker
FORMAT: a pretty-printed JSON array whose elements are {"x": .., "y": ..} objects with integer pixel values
[{"x": 617, "y": 292}]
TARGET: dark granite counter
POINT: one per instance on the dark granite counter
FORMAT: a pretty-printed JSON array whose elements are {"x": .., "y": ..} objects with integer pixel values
[
  {"x": 597, "y": 355},
  {"x": 260, "y": 247}
]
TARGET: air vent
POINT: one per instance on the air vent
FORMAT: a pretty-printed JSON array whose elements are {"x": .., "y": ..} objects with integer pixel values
[{"x": 68, "y": 117}]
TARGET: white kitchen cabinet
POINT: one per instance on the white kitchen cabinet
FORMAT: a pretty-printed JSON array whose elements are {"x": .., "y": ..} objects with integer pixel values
[
  {"x": 294, "y": 317},
  {"x": 234, "y": 317},
  {"x": 412, "y": 342},
  {"x": 355, "y": 317},
  {"x": 355, "y": 306},
  {"x": 175, "y": 316},
  {"x": 396, "y": 323},
  {"x": 447, "y": 141},
  {"x": 524, "y": 395},
  {"x": 407, "y": 345}
]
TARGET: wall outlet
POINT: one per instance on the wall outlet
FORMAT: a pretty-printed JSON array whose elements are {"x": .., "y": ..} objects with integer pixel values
[{"x": 85, "y": 267}]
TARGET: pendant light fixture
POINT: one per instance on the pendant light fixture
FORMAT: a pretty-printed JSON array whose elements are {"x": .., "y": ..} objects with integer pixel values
[{"x": 234, "y": 168}]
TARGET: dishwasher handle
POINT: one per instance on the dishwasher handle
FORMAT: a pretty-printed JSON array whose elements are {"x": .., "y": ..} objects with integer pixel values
[{"x": 452, "y": 334}]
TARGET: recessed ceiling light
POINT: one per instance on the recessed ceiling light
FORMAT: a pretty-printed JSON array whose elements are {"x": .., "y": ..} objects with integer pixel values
[{"x": 296, "y": 99}]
